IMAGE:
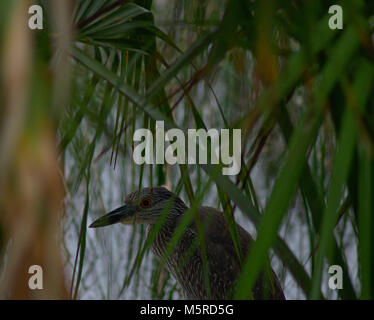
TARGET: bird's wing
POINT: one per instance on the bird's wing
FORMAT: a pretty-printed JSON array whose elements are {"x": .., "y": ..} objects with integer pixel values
[
  {"x": 218, "y": 240},
  {"x": 224, "y": 265}
]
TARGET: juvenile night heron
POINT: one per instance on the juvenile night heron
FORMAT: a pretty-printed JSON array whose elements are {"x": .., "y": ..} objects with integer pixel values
[{"x": 148, "y": 205}]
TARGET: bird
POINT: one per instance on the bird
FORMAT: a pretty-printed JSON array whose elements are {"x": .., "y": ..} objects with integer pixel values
[{"x": 186, "y": 263}]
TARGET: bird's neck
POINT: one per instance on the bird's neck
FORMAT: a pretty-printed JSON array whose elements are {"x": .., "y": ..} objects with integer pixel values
[{"x": 166, "y": 231}]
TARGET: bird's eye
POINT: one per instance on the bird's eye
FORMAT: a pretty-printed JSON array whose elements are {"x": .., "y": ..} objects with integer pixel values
[{"x": 146, "y": 203}]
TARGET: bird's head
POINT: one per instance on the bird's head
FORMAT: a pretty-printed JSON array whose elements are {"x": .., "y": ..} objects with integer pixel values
[{"x": 144, "y": 206}]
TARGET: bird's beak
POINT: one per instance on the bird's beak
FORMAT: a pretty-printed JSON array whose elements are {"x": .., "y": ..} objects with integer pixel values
[{"x": 124, "y": 214}]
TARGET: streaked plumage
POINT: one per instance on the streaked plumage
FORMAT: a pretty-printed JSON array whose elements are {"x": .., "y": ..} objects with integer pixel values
[{"x": 223, "y": 262}]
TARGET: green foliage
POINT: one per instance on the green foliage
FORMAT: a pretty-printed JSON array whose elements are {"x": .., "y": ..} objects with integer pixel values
[{"x": 300, "y": 92}]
